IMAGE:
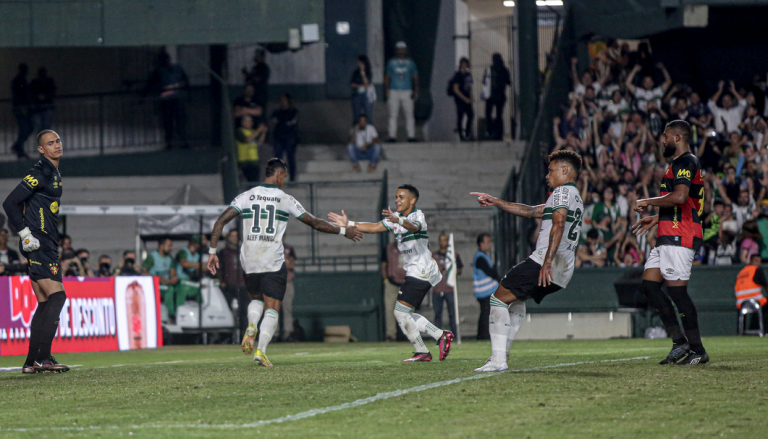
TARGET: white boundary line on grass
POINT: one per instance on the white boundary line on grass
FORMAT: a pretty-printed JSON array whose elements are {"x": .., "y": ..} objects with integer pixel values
[{"x": 319, "y": 411}]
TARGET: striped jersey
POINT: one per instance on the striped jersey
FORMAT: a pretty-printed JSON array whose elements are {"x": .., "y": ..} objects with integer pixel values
[
  {"x": 265, "y": 211},
  {"x": 681, "y": 225},
  {"x": 563, "y": 197},
  {"x": 414, "y": 249}
]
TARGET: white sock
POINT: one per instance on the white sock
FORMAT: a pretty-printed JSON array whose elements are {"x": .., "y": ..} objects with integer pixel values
[
  {"x": 408, "y": 325},
  {"x": 516, "y": 319},
  {"x": 255, "y": 308},
  {"x": 499, "y": 330},
  {"x": 267, "y": 328},
  {"x": 425, "y": 326}
]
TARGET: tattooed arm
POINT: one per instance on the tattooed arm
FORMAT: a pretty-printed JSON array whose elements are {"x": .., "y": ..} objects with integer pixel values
[
  {"x": 228, "y": 215},
  {"x": 516, "y": 209},
  {"x": 555, "y": 236}
]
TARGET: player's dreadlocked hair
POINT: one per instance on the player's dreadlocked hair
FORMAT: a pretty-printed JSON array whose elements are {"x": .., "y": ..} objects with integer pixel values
[
  {"x": 683, "y": 128},
  {"x": 570, "y": 157},
  {"x": 273, "y": 165}
]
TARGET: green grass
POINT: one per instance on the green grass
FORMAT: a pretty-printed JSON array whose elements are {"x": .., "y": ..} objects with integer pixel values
[{"x": 168, "y": 391}]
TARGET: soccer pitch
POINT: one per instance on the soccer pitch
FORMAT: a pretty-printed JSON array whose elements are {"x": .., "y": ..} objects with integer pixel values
[{"x": 557, "y": 389}]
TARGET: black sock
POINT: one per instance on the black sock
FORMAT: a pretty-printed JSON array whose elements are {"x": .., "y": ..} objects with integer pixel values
[
  {"x": 34, "y": 333},
  {"x": 665, "y": 309},
  {"x": 688, "y": 316},
  {"x": 50, "y": 324}
]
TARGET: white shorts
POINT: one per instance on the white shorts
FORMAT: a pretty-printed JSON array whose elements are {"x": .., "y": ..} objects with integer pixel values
[{"x": 674, "y": 261}]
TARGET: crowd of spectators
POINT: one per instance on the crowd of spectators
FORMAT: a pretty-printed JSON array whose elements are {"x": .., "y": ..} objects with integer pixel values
[{"x": 614, "y": 118}]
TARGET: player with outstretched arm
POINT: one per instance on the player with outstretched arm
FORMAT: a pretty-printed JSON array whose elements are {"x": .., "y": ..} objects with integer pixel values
[
  {"x": 266, "y": 209},
  {"x": 422, "y": 273},
  {"x": 550, "y": 266}
]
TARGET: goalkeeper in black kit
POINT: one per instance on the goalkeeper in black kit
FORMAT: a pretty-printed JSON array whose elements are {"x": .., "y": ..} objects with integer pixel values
[{"x": 33, "y": 212}]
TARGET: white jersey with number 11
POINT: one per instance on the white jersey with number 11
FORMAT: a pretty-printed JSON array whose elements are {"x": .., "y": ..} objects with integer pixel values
[{"x": 265, "y": 211}]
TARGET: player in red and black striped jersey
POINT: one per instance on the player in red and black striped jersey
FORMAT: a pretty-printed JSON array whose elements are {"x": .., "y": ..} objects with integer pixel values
[{"x": 678, "y": 237}]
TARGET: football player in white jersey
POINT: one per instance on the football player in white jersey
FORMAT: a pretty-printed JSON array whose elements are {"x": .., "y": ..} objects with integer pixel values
[
  {"x": 550, "y": 266},
  {"x": 422, "y": 272},
  {"x": 265, "y": 211}
]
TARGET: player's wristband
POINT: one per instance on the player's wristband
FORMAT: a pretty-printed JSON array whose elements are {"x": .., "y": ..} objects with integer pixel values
[
  {"x": 23, "y": 233},
  {"x": 350, "y": 223},
  {"x": 342, "y": 230},
  {"x": 211, "y": 250},
  {"x": 401, "y": 221}
]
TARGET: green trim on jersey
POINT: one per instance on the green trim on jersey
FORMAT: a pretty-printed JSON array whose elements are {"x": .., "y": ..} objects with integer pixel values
[
  {"x": 570, "y": 184},
  {"x": 269, "y": 185},
  {"x": 385, "y": 225},
  {"x": 300, "y": 216},
  {"x": 236, "y": 208},
  {"x": 413, "y": 236},
  {"x": 570, "y": 215}
]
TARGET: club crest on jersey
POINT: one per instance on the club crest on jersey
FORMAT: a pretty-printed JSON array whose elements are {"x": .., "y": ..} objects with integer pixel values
[
  {"x": 54, "y": 268},
  {"x": 684, "y": 173},
  {"x": 55, "y": 207}
]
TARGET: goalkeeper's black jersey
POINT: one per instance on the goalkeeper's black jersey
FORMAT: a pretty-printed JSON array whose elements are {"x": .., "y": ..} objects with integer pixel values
[{"x": 41, "y": 209}]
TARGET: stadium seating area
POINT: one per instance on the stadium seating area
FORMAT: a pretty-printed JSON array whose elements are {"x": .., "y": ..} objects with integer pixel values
[{"x": 614, "y": 119}]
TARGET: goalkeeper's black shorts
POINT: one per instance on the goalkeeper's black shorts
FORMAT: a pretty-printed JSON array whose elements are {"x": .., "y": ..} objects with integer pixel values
[{"x": 44, "y": 262}]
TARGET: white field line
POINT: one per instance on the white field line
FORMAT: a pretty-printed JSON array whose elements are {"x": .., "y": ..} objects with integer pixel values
[{"x": 319, "y": 411}]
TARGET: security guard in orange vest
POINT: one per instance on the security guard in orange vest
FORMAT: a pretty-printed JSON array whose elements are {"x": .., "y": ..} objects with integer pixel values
[{"x": 750, "y": 283}]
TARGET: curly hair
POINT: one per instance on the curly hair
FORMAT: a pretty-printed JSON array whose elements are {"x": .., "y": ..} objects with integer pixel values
[{"x": 567, "y": 156}]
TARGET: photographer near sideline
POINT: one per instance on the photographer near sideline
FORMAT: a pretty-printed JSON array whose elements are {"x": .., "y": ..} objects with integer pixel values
[{"x": 127, "y": 266}]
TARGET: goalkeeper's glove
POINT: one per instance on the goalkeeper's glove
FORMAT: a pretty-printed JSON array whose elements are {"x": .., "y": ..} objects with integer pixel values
[{"x": 28, "y": 242}]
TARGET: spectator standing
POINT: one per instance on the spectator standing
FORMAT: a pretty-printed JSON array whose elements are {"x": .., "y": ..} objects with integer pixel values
[
  {"x": 248, "y": 140},
  {"x": 364, "y": 144},
  {"x": 286, "y": 307},
  {"x": 363, "y": 91},
  {"x": 497, "y": 99},
  {"x": 246, "y": 105},
  {"x": 43, "y": 90},
  {"x": 8, "y": 256},
  {"x": 159, "y": 263},
  {"x": 726, "y": 250},
  {"x": 232, "y": 279},
  {"x": 258, "y": 76},
  {"x": 727, "y": 118},
  {"x": 22, "y": 106},
  {"x": 442, "y": 292},
  {"x": 751, "y": 239},
  {"x": 401, "y": 83},
  {"x": 592, "y": 253},
  {"x": 394, "y": 276},
  {"x": 286, "y": 133},
  {"x": 648, "y": 92},
  {"x": 461, "y": 86},
  {"x": 168, "y": 82},
  {"x": 486, "y": 279}
]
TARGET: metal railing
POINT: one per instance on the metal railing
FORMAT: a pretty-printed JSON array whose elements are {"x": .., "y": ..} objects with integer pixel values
[{"x": 108, "y": 123}]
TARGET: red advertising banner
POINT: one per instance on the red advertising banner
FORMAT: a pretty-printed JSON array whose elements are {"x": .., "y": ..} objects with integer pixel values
[{"x": 90, "y": 320}]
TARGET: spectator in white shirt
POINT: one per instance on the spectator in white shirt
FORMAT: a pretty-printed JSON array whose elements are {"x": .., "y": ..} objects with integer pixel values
[
  {"x": 727, "y": 117},
  {"x": 648, "y": 92},
  {"x": 364, "y": 144},
  {"x": 580, "y": 86}
]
